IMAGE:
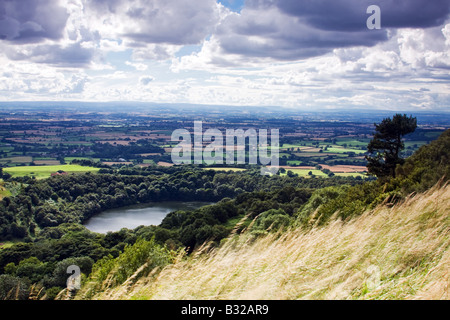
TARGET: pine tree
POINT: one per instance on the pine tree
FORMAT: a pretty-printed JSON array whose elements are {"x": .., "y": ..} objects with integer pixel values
[{"x": 385, "y": 147}]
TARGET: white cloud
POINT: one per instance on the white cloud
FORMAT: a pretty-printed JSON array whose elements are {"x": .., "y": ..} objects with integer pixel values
[
  {"x": 137, "y": 66},
  {"x": 263, "y": 55},
  {"x": 108, "y": 45},
  {"x": 153, "y": 51},
  {"x": 21, "y": 80},
  {"x": 176, "y": 22}
]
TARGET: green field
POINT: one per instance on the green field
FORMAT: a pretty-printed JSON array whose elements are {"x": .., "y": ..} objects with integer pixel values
[
  {"x": 351, "y": 174},
  {"x": 69, "y": 159},
  {"x": 294, "y": 162},
  {"x": 41, "y": 172},
  {"x": 290, "y": 145},
  {"x": 342, "y": 150},
  {"x": 224, "y": 169},
  {"x": 312, "y": 154},
  {"x": 305, "y": 172},
  {"x": 6, "y": 149},
  {"x": 352, "y": 142}
]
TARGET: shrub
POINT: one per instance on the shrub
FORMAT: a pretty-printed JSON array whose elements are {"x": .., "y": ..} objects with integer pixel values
[
  {"x": 60, "y": 274},
  {"x": 13, "y": 288},
  {"x": 110, "y": 272},
  {"x": 272, "y": 219}
]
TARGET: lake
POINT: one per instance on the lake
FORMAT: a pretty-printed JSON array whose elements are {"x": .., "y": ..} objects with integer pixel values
[{"x": 142, "y": 214}]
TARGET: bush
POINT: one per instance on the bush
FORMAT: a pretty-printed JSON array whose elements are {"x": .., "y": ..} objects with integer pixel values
[
  {"x": 272, "y": 219},
  {"x": 31, "y": 268},
  {"x": 143, "y": 253},
  {"x": 52, "y": 292},
  {"x": 60, "y": 275},
  {"x": 345, "y": 201},
  {"x": 318, "y": 198},
  {"x": 13, "y": 288}
]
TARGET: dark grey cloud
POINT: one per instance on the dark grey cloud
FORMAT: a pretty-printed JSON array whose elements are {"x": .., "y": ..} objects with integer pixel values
[
  {"x": 104, "y": 6},
  {"x": 350, "y": 15},
  {"x": 31, "y": 21},
  {"x": 293, "y": 29},
  {"x": 73, "y": 55},
  {"x": 26, "y": 26},
  {"x": 264, "y": 30}
]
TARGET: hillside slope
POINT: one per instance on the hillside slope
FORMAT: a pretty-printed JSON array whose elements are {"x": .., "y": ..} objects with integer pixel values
[{"x": 401, "y": 252}]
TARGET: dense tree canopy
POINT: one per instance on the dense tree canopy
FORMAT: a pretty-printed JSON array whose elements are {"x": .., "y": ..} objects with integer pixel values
[
  {"x": 76, "y": 198},
  {"x": 426, "y": 166}
]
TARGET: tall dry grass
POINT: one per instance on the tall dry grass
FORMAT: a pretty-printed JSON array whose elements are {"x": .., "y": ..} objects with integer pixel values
[{"x": 387, "y": 253}]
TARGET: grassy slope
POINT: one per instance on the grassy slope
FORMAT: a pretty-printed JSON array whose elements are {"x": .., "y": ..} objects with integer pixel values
[{"x": 387, "y": 253}]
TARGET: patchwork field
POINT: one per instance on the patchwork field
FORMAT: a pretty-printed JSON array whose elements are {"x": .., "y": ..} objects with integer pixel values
[
  {"x": 144, "y": 138},
  {"x": 18, "y": 159}
]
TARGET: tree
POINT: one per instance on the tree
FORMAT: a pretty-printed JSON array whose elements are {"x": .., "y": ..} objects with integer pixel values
[
  {"x": 385, "y": 147},
  {"x": 290, "y": 174},
  {"x": 4, "y": 175}
]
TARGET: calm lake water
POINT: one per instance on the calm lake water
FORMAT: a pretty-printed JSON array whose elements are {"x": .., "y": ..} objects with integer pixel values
[{"x": 142, "y": 214}]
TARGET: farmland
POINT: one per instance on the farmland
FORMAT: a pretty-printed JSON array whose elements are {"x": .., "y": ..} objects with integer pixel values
[{"x": 38, "y": 143}]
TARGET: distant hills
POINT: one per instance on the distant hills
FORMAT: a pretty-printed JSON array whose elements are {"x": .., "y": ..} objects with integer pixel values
[{"x": 190, "y": 110}]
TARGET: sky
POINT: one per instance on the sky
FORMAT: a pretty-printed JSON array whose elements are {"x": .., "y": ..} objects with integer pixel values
[{"x": 299, "y": 54}]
